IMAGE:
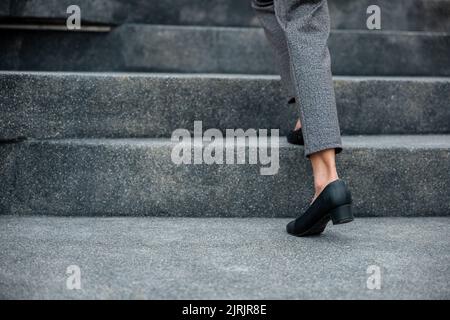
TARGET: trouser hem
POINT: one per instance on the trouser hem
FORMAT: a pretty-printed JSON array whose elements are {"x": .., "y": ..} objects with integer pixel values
[{"x": 336, "y": 146}]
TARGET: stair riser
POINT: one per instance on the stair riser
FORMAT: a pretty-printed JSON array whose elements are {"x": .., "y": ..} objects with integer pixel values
[
  {"x": 139, "y": 178},
  {"x": 4, "y": 8},
  {"x": 45, "y": 105},
  {"x": 345, "y": 14},
  {"x": 216, "y": 50}
]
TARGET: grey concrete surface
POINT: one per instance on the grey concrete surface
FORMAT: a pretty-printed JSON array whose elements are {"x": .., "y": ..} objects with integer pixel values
[
  {"x": 159, "y": 48},
  {"x": 427, "y": 15},
  {"x": 118, "y": 105},
  {"x": 4, "y": 8},
  {"x": 191, "y": 258},
  {"x": 388, "y": 176}
]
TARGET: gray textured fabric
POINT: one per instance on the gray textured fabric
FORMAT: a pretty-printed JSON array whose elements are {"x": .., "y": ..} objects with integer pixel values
[
  {"x": 266, "y": 14},
  {"x": 298, "y": 31}
]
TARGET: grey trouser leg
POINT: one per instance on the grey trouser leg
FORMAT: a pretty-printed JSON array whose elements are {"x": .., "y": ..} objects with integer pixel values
[
  {"x": 305, "y": 25},
  {"x": 266, "y": 15}
]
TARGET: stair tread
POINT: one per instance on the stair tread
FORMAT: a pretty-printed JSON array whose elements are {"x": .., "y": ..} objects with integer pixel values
[
  {"x": 428, "y": 141},
  {"x": 204, "y": 255},
  {"x": 211, "y": 75}
]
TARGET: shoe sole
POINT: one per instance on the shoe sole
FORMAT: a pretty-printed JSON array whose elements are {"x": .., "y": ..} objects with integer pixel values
[{"x": 339, "y": 215}]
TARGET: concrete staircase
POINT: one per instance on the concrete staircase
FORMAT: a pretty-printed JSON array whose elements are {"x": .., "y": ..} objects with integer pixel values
[{"x": 98, "y": 108}]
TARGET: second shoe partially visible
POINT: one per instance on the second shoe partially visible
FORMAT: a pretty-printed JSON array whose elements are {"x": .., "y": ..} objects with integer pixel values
[{"x": 296, "y": 137}]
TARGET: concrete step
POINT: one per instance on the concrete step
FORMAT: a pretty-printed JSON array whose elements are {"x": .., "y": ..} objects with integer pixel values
[
  {"x": 193, "y": 258},
  {"x": 123, "y": 105},
  {"x": 423, "y": 15},
  {"x": 217, "y": 50},
  {"x": 388, "y": 175}
]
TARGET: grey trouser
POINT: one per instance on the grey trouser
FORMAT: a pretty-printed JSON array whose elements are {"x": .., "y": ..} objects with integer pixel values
[{"x": 298, "y": 31}]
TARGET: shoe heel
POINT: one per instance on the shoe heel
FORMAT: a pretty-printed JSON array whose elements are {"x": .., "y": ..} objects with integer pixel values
[{"x": 342, "y": 214}]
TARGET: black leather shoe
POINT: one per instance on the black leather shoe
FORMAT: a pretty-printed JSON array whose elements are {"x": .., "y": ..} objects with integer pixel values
[
  {"x": 333, "y": 203},
  {"x": 295, "y": 137}
]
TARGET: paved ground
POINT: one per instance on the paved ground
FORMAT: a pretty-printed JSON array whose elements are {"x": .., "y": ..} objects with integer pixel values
[{"x": 221, "y": 258}]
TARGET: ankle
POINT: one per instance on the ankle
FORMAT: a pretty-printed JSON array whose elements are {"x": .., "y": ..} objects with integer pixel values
[
  {"x": 324, "y": 169},
  {"x": 320, "y": 184},
  {"x": 298, "y": 125}
]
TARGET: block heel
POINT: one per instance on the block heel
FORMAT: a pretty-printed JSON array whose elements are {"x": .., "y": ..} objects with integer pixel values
[{"x": 342, "y": 214}]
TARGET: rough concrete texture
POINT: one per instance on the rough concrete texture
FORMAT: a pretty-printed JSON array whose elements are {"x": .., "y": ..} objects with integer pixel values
[
  {"x": 156, "y": 48},
  {"x": 4, "y": 8},
  {"x": 62, "y": 105},
  {"x": 164, "y": 258},
  {"x": 388, "y": 176},
  {"x": 426, "y": 15}
]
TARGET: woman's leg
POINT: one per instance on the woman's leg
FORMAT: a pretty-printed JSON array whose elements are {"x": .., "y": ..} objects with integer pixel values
[
  {"x": 306, "y": 27},
  {"x": 266, "y": 14},
  {"x": 299, "y": 32},
  {"x": 324, "y": 169},
  {"x": 275, "y": 35}
]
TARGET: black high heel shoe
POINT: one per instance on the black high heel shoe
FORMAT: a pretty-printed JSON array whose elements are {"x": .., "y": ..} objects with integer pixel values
[
  {"x": 333, "y": 203},
  {"x": 295, "y": 137}
]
